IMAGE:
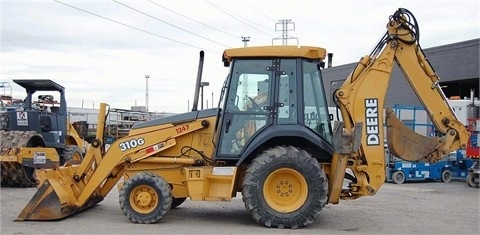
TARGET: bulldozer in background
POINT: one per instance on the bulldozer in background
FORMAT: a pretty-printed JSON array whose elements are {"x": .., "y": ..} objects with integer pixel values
[
  {"x": 270, "y": 139},
  {"x": 37, "y": 135}
]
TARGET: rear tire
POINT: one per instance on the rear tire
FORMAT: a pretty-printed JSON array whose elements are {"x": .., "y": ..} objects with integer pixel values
[
  {"x": 145, "y": 198},
  {"x": 398, "y": 177},
  {"x": 446, "y": 176},
  {"x": 284, "y": 187},
  {"x": 72, "y": 155}
]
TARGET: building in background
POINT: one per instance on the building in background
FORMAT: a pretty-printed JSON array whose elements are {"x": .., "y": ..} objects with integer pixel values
[{"x": 456, "y": 64}]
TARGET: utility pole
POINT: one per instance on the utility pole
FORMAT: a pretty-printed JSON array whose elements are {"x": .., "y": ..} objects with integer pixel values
[
  {"x": 245, "y": 40},
  {"x": 202, "y": 84},
  {"x": 146, "y": 91},
  {"x": 285, "y": 26}
]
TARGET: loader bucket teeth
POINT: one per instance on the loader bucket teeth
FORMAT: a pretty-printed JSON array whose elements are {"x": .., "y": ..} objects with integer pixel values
[
  {"x": 44, "y": 205},
  {"x": 405, "y": 143},
  {"x": 54, "y": 202}
]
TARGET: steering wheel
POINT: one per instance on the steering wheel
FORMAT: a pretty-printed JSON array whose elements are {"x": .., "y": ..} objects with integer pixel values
[{"x": 255, "y": 106}]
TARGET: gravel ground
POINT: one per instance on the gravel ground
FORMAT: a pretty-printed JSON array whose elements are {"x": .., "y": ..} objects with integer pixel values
[{"x": 410, "y": 208}]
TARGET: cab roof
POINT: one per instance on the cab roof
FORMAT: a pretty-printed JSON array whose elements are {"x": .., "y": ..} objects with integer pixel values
[
  {"x": 307, "y": 52},
  {"x": 39, "y": 85}
]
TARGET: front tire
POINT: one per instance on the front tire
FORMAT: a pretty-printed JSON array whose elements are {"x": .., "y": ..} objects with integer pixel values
[
  {"x": 72, "y": 155},
  {"x": 284, "y": 187},
  {"x": 398, "y": 177},
  {"x": 145, "y": 198}
]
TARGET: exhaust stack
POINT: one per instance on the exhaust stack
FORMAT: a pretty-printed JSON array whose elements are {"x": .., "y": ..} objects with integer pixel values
[
  {"x": 199, "y": 81},
  {"x": 329, "y": 58}
]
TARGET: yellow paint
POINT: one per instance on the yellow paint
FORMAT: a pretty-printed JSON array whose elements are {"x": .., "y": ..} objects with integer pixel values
[{"x": 285, "y": 190}]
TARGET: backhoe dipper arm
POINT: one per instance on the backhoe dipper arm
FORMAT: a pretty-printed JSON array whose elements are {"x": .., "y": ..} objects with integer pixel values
[{"x": 361, "y": 100}]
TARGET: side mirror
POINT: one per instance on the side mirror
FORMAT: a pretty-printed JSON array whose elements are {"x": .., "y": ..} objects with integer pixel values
[{"x": 321, "y": 65}]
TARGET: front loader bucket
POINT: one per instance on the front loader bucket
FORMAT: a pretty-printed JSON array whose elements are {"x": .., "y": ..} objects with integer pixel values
[
  {"x": 55, "y": 199},
  {"x": 408, "y": 145}
]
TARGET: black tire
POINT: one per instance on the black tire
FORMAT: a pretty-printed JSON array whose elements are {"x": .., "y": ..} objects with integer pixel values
[
  {"x": 25, "y": 175},
  {"x": 300, "y": 188},
  {"x": 72, "y": 155},
  {"x": 31, "y": 176},
  {"x": 398, "y": 177},
  {"x": 177, "y": 202},
  {"x": 145, "y": 198},
  {"x": 471, "y": 180},
  {"x": 446, "y": 176}
]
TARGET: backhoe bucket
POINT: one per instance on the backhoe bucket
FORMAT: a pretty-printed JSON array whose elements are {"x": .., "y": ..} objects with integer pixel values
[
  {"x": 406, "y": 144},
  {"x": 56, "y": 198}
]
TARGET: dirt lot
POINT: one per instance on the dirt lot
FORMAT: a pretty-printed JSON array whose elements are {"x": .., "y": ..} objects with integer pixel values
[{"x": 410, "y": 208}]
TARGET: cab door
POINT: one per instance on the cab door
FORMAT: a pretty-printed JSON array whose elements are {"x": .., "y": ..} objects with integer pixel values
[{"x": 247, "y": 105}]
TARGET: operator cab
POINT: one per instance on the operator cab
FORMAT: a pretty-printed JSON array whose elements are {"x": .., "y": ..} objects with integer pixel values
[
  {"x": 45, "y": 115},
  {"x": 274, "y": 96}
]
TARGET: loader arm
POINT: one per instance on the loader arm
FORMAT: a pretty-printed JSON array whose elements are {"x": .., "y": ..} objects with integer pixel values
[
  {"x": 65, "y": 191},
  {"x": 361, "y": 100}
]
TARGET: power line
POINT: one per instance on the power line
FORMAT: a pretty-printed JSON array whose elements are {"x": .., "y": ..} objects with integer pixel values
[
  {"x": 133, "y": 27},
  {"x": 238, "y": 18},
  {"x": 261, "y": 13},
  {"x": 253, "y": 22},
  {"x": 196, "y": 21},
  {"x": 165, "y": 22}
]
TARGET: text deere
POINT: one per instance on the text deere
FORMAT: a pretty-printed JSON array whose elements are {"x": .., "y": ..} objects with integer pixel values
[{"x": 371, "y": 121}]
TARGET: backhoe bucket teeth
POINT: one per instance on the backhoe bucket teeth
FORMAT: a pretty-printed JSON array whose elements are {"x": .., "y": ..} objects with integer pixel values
[
  {"x": 406, "y": 144},
  {"x": 54, "y": 200}
]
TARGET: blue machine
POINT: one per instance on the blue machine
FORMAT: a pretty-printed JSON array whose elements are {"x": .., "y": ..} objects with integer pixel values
[
  {"x": 459, "y": 164},
  {"x": 455, "y": 165}
]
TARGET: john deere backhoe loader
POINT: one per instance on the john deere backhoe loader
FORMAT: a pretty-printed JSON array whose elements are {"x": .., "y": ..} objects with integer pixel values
[
  {"x": 38, "y": 135},
  {"x": 270, "y": 139}
]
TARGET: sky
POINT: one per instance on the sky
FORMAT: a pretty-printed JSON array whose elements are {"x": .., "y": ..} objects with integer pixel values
[{"x": 101, "y": 51}]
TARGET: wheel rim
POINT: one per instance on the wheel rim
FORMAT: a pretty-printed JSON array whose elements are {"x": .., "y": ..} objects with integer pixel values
[
  {"x": 285, "y": 190},
  {"x": 143, "y": 199}
]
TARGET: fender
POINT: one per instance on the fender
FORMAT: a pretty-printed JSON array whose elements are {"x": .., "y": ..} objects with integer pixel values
[{"x": 284, "y": 131}]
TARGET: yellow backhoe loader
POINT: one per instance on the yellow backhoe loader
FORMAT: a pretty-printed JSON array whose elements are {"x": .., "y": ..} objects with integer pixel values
[{"x": 270, "y": 139}]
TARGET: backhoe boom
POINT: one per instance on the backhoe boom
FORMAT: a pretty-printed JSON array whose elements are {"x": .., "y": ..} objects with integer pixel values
[{"x": 362, "y": 97}]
